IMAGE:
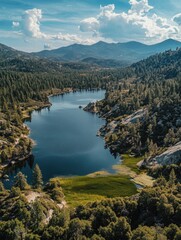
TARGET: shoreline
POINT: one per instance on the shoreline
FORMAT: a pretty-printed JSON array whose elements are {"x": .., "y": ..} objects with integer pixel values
[
  {"x": 140, "y": 178},
  {"x": 42, "y": 105},
  {"x": 27, "y": 113},
  {"x": 38, "y": 106}
]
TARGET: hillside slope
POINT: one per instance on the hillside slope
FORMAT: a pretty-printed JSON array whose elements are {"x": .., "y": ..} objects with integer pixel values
[
  {"x": 14, "y": 60},
  {"x": 143, "y": 108}
]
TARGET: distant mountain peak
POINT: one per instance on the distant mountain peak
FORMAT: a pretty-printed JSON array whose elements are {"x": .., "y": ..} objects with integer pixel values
[
  {"x": 134, "y": 42},
  {"x": 100, "y": 43},
  {"x": 171, "y": 40}
]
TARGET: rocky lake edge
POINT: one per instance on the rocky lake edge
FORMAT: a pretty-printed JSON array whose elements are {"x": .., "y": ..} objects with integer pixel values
[{"x": 138, "y": 171}]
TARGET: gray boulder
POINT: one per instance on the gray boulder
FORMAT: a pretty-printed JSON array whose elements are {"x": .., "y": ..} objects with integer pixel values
[{"x": 171, "y": 156}]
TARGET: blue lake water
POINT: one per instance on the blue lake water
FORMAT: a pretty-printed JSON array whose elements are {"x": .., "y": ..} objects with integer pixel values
[{"x": 65, "y": 137}]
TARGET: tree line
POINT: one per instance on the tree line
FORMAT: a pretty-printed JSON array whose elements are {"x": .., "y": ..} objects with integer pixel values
[{"x": 154, "y": 213}]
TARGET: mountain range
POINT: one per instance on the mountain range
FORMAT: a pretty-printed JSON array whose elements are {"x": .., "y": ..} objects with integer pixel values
[
  {"x": 121, "y": 53},
  {"x": 77, "y": 56}
]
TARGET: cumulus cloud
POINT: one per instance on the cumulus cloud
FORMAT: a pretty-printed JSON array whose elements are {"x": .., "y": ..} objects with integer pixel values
[
  {"x": 137, "y": 23},
  {"x": 139, "y": 7},
  {"x": 89, "y": 24},
  {"x": 31, "y": 23},
  {"x": 31, "y": 27}
]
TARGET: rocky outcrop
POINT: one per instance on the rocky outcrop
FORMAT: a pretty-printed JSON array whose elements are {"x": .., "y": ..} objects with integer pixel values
[
  {"x": 171, "y": 156},
  {"x": 107, "y": 129},
  {"x": 114, "y": 111},
  {"x": 133, "y": 118},
  {"x": 91, "y": 107}
]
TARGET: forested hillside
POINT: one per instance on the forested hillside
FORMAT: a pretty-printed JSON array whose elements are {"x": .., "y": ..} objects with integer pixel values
[
  {"x": 143, "y": 108},
  {"x": 13, "y": 60},
  {"x": 161, "y": 66}
]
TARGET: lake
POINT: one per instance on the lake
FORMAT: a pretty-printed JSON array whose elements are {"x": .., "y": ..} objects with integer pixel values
[{"x": 66, "y": 141}]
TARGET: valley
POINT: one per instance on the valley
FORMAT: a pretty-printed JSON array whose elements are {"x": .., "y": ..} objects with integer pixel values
[{"x": 139, "y": 119}]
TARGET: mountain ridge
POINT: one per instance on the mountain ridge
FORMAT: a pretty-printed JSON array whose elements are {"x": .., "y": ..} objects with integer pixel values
[
  {"x": 129, "y": 51},
  {"x": 100, "y": 54}
]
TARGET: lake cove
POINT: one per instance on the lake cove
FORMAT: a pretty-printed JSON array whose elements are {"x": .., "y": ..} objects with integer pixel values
[{"x": 66, "y": 145}]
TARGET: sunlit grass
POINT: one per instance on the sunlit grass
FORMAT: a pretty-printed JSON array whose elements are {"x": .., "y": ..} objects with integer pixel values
[
  {"x": 80, "y": 190},
  {"x": 131, "y": 162}
]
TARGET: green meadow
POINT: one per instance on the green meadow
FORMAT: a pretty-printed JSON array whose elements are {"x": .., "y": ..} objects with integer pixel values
[{"x": 80, "y": 190}]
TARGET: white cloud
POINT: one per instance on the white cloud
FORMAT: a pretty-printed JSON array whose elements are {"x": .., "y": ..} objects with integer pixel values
[
  {"x": 177, "y": 19},
  {"x": 137, "y": 23},
  {"x": 31, "y": 27},
  {"x": 70, "y": 38},
  {"x": 139, "y": 7},
  {"x": 15, "y": 24},
  {"x": 89, "y": 24},
  {"x": 31, "y": 23}
]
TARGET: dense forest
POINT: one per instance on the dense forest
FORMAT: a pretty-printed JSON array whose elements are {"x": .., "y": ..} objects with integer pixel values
[
  {"x": 143, "y": 112},
  {"x": 36, "y": 212}
]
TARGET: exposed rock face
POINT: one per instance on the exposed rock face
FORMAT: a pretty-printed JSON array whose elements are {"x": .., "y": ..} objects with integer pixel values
[
  {"x": 114, "y": 110},
  {"x": 91, "y": 107},
  {"x": 112, "y": 126},
  {"x": 138, "y": 115},
  {"x": 171, "y": 156}
]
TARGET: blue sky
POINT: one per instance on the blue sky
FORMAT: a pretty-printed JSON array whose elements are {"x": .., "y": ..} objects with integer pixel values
[{"x": 34, "y": 25}]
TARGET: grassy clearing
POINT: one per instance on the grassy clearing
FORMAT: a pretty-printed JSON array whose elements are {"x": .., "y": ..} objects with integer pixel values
[
  {"x": 80, "y": 190},
  {"x": 144, "y": 180},
  {"x": 124, "y": 170},
  {"x": 101, "y": 185},
  {"x": 131, "y": 162}
]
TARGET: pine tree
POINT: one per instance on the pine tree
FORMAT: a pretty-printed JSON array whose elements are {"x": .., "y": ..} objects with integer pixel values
[
  {"x": 4, "y": 156},
  {"x": 1, "y": 187},
  {"x": 36, "y": 215},
  {"x": 37, "y": 177},
  {"x": 172, "y": 177},
  {"x": 20, "y": 181}
]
